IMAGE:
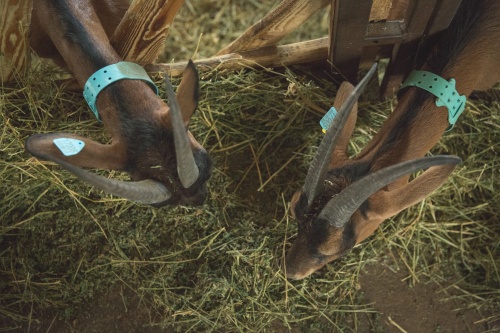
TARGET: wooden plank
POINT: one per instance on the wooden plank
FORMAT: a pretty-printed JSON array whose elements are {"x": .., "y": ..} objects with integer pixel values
[
  {"x": 380, "y": 10},
  {"x": 15, "y": 17},
  {"x": 270, "y": 56},
  {"x": 349, "y": 20},
  {"x": 441, "y": 18},
  {"x": 278, "y": 23},
  {"x": 140, "y": 36},
  {"x": 445, "y": 12},
  {"x": 402, "y": 61}
]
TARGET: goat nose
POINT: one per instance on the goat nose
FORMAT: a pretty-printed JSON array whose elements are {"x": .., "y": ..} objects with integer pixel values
[
  {"x": 291, "y": 275},
  {"x": 198, "y": 198},
  {"x": 295, "y": 275},
  {"x": 197, "y": 201},
  {"x": 289, "y": 272},
  {"x": 294, "y": 272}
]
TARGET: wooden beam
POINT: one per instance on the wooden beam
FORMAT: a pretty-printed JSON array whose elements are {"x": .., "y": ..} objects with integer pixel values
[
  {"x": 428, "y": 17},
  {"x": 402, "y": 61},
  {"x": 445, "y": 12},
  {"x": 15, "y": 18},
  {"x": 440, "y": 20},
  {"x": 380, "y": 10},
  {"x": 349, "y": 20},
  {"x": 278, "y": 23},
  {"x": 140, "y": 36},
  {"x": 270, "y": 56}
]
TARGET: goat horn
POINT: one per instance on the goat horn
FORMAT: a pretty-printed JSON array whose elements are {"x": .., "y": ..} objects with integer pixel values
[
  {"x": 186, "y": 166},
  {"x": 319, "y": 167},
  {"x": 339, "y": 209},
  {"x": 145, "y": 191}
]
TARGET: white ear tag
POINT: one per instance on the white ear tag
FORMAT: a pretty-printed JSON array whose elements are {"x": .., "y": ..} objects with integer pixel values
[{"x": 69, "y": 147}]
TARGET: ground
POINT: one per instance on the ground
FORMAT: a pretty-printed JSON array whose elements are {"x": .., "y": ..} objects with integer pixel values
[
  {"x": 424, "y": 307},
  {"x": 396, "y": 306}
]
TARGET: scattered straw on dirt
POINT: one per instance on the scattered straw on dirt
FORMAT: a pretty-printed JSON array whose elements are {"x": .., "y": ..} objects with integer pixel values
[{"x": 217, "y": 267}]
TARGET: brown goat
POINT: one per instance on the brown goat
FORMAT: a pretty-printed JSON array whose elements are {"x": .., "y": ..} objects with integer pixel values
[
  {"x": 344, "y": 200},
  {"x": 150, "y": 140}
]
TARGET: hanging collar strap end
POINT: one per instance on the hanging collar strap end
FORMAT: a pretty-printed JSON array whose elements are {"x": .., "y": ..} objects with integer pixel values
[
  {"x": 445, "y": 92},
  {"x": 110, "y": 74}
]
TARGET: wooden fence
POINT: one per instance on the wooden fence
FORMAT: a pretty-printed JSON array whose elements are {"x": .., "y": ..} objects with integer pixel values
[
  {"x": 361, "y": 32},
  {"x": 15, "y": 17}
]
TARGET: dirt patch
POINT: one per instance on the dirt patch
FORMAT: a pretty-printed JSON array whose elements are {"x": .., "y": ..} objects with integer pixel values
[
  {"x": 425, "y": 307},
  {"x": 118, "y": 310}
]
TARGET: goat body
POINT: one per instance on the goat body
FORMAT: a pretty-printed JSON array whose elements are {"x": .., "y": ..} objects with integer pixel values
[
  {"x": 469, "y": 52},
  {"x": 144, "y": 139}
]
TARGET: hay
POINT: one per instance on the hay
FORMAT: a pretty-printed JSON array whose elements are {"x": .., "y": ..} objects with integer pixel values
[{"x": 217, "y": 267}]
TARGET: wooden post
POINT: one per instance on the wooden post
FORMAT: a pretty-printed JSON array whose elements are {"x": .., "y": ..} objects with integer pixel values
[
  {"x": 403, "y": 55},
  {"x": 140, "y": 36},
  {"x": 427, "y": 17},
  {"x": 444, "y": 14},
  {"x": 278, "y": 23},
  {"x": 349, "y": 21},
  {"x": 15, "y": 17}
]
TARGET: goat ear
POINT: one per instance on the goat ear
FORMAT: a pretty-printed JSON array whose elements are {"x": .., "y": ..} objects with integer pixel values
[
  {"x": 82, "y": 153},
  {"x": 388, "y": 203},
  {"x": 340, "y": 150},
  {"x": 385, "y": 204},
  {"x": 188, "y": 92}
]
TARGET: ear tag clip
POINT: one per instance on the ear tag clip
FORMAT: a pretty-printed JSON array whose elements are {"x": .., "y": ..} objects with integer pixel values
[
  {"x": 327, "y": 119},
  {"x": 69, "y": 147}
]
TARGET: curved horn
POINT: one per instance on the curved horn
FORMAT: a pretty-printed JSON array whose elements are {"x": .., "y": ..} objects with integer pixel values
[
  {"x": 186, "y": 167},
  {"x": 145, "y": 191},
  {"x": 319, "y": 167},
  {"x": 340, "y": 208}
]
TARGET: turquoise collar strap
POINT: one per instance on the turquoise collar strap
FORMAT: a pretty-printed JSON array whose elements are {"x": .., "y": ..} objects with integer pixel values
[
  {"x": 110, "y": 74},
  {"x": 444, "y": 90}
]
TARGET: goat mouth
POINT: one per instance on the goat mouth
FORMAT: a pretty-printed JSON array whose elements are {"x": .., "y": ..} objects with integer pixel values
[
  {"x": 297, "y": 275},
  {"x": 196, "y": 199}
]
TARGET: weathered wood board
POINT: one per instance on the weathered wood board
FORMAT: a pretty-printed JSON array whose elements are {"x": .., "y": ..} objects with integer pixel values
[
  {"x": 15, "y": 17},
  {"x": 140, "y": 36}
]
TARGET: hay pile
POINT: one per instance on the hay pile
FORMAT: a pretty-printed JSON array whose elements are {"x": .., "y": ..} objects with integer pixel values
[{"x": 216, "y": 267}]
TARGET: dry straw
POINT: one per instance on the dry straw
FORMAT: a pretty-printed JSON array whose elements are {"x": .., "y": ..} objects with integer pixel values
[{"x": 217, "y": 267}]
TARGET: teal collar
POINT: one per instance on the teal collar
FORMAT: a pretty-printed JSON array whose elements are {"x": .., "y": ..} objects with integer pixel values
[
  {"x": 444, "y": 90},
  {"x": 110, "y": 74}
]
